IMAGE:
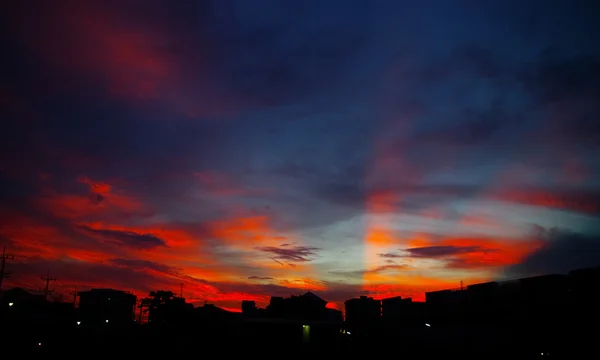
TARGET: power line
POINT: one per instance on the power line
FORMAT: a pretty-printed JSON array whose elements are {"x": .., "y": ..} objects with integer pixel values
[
  {"x": 5, "y": 257},
  {"x": 48, "y": 279}
]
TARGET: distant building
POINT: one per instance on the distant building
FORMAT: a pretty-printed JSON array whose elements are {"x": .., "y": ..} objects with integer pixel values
[
  {"x": 18, "y": 296},
  {"x": 101, "y": 307},
  {"x": 249, "y": 308},
  {"x": 307, "y": 306},
  {"x": 293, "y": 320},
  {"x": 24, "y": 312}
]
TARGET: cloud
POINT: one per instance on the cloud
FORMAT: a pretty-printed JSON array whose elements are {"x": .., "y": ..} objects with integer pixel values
[
  {"x": 390, "y": 255},
  {"x": 293, "y": 254},
  {"x": 376, "y": 270},
  {"x": 475, "y": 253},
  {"x": 444, "y": 251},
  {"x": 561, "y": 252},
  {"x": 193, "y": 140},
  {"x": 144, "y": 265},
  {"x": 127, "y": 238}
]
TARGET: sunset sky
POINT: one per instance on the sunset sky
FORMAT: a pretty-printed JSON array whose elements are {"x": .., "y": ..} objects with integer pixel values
[{"x": 257, "y": 148}]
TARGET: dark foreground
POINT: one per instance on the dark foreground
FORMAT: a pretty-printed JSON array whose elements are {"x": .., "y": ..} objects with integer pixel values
[{"x": 499, "y": 343}]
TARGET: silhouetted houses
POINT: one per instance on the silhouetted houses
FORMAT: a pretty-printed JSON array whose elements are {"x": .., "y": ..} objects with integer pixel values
[
  {"x": 363, "y": 316},
  {"x": 212, "y": 321},
  {"x": 19, "y": 297},
  {"x": 173, "y": 313},
  {"x": 106, "y": 307},
  {"x": 249, "y": 308},
  {"x": 292, "y": 321},
  {"x": 306, "y": 307},
  {"x": 22, "y": 312},
  {"x": 20, "y": 309}
]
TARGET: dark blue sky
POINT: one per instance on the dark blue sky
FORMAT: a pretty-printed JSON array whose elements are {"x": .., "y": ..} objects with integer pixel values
[{"x": 258, "y": 147}]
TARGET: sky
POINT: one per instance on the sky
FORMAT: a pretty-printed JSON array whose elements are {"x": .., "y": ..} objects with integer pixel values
[{"x": 254, "y": 148}]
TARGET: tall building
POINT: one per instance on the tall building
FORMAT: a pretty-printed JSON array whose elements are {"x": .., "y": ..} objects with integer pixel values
[{"x": 397, "y": 312}]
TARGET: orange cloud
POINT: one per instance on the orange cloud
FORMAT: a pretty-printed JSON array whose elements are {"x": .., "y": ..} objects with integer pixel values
[
  {"x": 102, "y": 199},
  {"x": 245, "y": 231},
  {"x": 492, "y": 252}
]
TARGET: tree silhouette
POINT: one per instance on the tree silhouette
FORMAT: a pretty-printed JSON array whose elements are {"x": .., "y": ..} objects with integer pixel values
[{"x": 163, "y": 306}]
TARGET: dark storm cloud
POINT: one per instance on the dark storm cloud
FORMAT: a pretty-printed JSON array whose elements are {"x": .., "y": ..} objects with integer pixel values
[
  {"x": 390, "y": 255},
  {"x": 442, "y": 251},
  {"x": 376, "y": 270},
  {"x": 293, "y": 254},
  {"x": 562, "y": 252},
  {"x": 559, "y": 79},
  {"x": 409, "y": 197},
  {"x": 569, "y": 89},
  {"x": 259, "y": 278},
  {"x": 127, "y": 238},
  {"x": 136, "y": 264}
]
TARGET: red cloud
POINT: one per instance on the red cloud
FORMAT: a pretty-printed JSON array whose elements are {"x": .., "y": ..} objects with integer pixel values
[
  {"x": 132, "y": 55},
  {"x": 102, "y": 199}
]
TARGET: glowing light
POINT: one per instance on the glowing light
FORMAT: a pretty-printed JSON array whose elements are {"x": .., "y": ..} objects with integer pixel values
[
  {"x": 79, "y": 323},
  {"x": 106, "y": 321},
  {"x": 427, "y": 325},
  {"x": 11, "y": 304}
]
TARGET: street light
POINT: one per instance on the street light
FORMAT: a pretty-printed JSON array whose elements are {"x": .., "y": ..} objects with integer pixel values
[
  {"x": 107, "y": 321},
  {"x": 11, "y": 304}
]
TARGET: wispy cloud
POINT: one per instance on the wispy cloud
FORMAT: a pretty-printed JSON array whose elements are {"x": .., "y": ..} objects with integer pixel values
[
  {"x": 293, "y": 254},
  {"x": 259, "y": 278}
]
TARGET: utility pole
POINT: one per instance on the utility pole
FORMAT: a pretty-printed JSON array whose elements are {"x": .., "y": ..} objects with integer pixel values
[
  {"x": 141, "y": 310},
  {"x": 74, "y": 293},
  {"x": 48, "y": 279},
  {"x": 461, "y": 285},
  {"x": 3, "y": 265},
  {"x": 181, "y": 290}
]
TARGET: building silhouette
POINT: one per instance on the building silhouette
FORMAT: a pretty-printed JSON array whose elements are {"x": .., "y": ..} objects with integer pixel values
[
  {"x": 106, "y": 307},
  {"x": 402, "y": 313},
  {"x": 298, "y": 319},
  {"x": 550, "y": 314},
  {"x": 363, "y": 316}
]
